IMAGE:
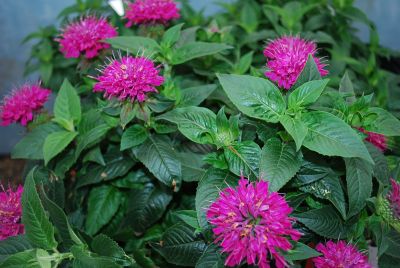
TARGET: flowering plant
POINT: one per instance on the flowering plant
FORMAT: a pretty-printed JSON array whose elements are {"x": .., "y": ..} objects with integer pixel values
[{"x": 181, "y": 140}]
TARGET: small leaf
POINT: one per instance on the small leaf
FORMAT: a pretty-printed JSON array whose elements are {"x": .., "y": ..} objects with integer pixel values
[
  {"x": 309, "y": 73},
  {"x": 193, "y": 50},
  {"x": 67, "y": 105},
  {"x": 243, "y": 158},
  {"x": 55, "y": 143},
  {"x": 384, "y": 123},
  {"x": 13, "y": 245},
  {"x": 211, "y": 258},
  {"x": 307, "y": 93},
  {"x": 133, "y": 136},
  {"x": 85, "y": 259},
  {"x": 189, "y": 217},
  {"x": 193, "y": 96},
  {"x": 296, "y": 128},
  {"x": 135, "y": 44},
  {"x": 301, "y": 251},
  {"x": 346, "y": 87},
  {"x": 90, "y": 138},
  {"x": 172, "y": 35},
  {"x": 105, "y": 246}
]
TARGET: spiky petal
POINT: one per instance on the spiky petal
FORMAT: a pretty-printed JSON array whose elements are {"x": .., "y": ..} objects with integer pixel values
[
  {"x": 376, "y": 139},
  {"x": 340, "y": 254},
  {"x": 286, "y": 58},
  {"x": 22, "y": 103},
  {"x": 252, "y": 224},
  {"x": 151, "y": 12},
  {"x": 84, "y": 37},
  {"x": 10, "y": 212},
  {"x": 129, "y": 78}
]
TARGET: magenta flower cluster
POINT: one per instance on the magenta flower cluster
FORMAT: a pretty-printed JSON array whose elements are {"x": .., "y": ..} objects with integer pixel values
[
  {"x": 251, "y": 224},
  {"x": 340, "y": 254},
  {"x": 378, "y": 140},
  {"x": 286, "y": 58},
  {"x": 84, "y": 37},
  {"x": 10, "y": 212},
  {"x": 129, "y": 78},
  {"x": 394, "y": 198},
  {"x": 22, "y": 103},
  {"x": 151, "y": 12}
]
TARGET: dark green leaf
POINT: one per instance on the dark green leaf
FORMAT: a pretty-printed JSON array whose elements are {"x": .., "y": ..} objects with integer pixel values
[
  {"x": 13, "y": 245},
  {"x": 105, "y": 246},
  {"x": 301, "y": 251},
  {"x": 381, "y": 168},
  {"x": 85, "y": 259},
  {"x": 211, "y": 258},
  {"x": 55, "y": 143},
  {"x": 67, "y": 105},
  {"x": 193, "y": 96},
  {"x": 189, "y": 217},
  {"x": 133, "y": 136},
  {"x": 193, "y": 50},
  {"x": 296, "y": 128},
  {"x": 135, "y": 44},
  {"x": 243, "y": 158},
  {"x": 385, "y": 123},
  {"x": 309, "y": 73},
  {"x": 307, "y": 93}
]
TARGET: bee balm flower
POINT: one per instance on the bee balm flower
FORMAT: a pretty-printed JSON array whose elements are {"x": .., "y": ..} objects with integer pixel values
[
  {"x": 151, "y": 12},
  {"x": 129, "y": 78},
  {"x": 22, "y": 103},
  {"x": 10, "y": 212},
  {"x": 376, "y": 139},
  {"x": 340, "y": 254},
  {"x": 84, "y": 37},
  {"x": 252, "y": 224},
  {"x": 286, "y": 58}
]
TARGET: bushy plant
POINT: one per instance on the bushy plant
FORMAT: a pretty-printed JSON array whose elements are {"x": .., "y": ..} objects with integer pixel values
[{"x": 203, "y": 142}]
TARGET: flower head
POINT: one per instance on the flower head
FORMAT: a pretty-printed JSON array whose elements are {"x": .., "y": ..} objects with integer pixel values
[
  {"x": 340, "y": 254},
  {"x": 20, "y": 105},
  {"x": 151, "y": 12},
  {"x": 129, "y": 78},
  {"x": 10, "y": 212},
  {"x": 286, "y": 58},
  {"x": 394, "y": 198},
  {"x": 84, "y": 36},
  {"x": 251, "y": 224},
  {"x": 378, "y": 140}
]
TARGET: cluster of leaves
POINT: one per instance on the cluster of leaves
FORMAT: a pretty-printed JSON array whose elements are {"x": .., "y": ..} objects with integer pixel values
[{"x": 121, "y": 184}]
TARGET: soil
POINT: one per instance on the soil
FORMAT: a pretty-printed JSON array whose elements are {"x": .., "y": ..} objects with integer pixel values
[{"x": 11, "y": 171}]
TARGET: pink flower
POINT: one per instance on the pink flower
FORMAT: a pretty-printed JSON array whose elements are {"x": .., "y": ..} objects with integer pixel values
[
  {"x": 286, "y": 58},
  {"x": 340, "y": 254},
  {"x": 22, "y": 103},
  {"x": 394, "y": 198},
  {"x": 10, "y": 212},
  {"x": 84, "y": 36},
  {"x": 378, "y": 140},
  {"x": 129, "y": 78},
  {"x": 252, "y": 224},
  {"x": 151, "y": 12}
]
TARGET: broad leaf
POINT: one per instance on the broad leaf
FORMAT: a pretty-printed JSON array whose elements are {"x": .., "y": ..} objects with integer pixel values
[
  {"x": 133, "y": 136},
  {"x": 279, "y": 163},
  {"x": 90, "y": 138},
  {"x": 255, "y": 97},
  {"x": 193, "y": 96},
  {"x": 328, "y": 135},
  {"x": 67, "y": 105},
  {"x": 105, "y": 246},
  {"x": 33, "y": 258},
  {"x": 359, "y": 183},
  {"x": 171, "y": 36},
  {"x": 300, "y": 251},
  {"x": 13, "y": 245},
  {"x": 296, "y": 128},
  {"x": 189, "y": 217},
  {"x": 384, "y": 122},
  {"x": 55, "y": 143},
  {"x": 309, "y": 73},
  {"x": 38, "y": 228},
  {"x": 381, "y": 168},
  {"x": 84, "y": 259},
  {"x": 135, "y": 44},
  {"x": 307, "y": 93},
  {"x": 243, "y": 158},
  {"x": 211, "y": 258},
  {"x": 195, "y": 50}
]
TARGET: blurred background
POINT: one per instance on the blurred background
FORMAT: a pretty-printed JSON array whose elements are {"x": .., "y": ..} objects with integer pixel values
[{"x": 18, "y": 18}]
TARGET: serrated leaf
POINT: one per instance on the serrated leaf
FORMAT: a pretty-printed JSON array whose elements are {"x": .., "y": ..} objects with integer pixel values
[
  {"x": 33, "y": 258},
  {"x": 103, "y": 203},
  {"x": 385, "y": 123},
  {"x": 329, "y": 135},
  {"x": 193, "y": 96},
  {"x": 135, "y": 44},
  {"x": 193, "y": 50},
  {"x": 279, "y": 163},
  {"x": 189, "y": 217},
  {"x": 133, "y": 136},
  {"x": 192, "y": 166},
  {"x": 309, "y": 73},
  {"x": 243, "y": 158},
  {"x": 105, "y": 246},
  {"x": 13, "y": 245},
  {"x": 255, "y": 97},
  {"x": 381, "y": 168},
  {"x": 160, "y": 158},
  {"x": 359, "y": 184},
  {"x": 209, "y": 187},
  {"x": 307, "y": 93},
  {"x": 296, "y": 128},
  {"x": 180, "y": 246},
  {"x": 31, "y": 146},
  {"x": 38, "y": 228},
  {"x": 211, "y": 258},
  {"x": 90, "y": 138},
  {"x": 196, "y": 123},
  {"x": 55, "y": 143},
  {"x": 146, "y": 206},
  {"x": 300, "y": 251},
  {"x": 67, "y": 105},
  {"x": 85, "y": 259}
]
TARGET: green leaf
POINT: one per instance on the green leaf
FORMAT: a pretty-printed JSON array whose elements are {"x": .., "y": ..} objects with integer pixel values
[
  {"x": 128, "y": 112},
  {"x": 135, "y": 44},
  {"x": 133, "y": 136},
  {"x": 193, "y": 96},
  {"x": 346, "y": 87},
  {"x": 255, "y": 97},
  {"x": 244, "y": 63},
  {"x": 328, "y": 135},
  {"x": 279, "y": 163},
  {"x": 31, "y": 146},
  {"x": 13, "y": 245},
  {"x": 192, "y": 166},
  {"x": 85, "y": 259},
  {"x": 33, "y": 258},
  {"x": 103, "y": 203},
  {"x": 38, "y": 228},
  {"x": 309, "y": 73},
  {"x": 180, "y": 246},
  {"x": 385, "y": 123},
  {"x": 359, "y": 184},
  {"x": 301, "y": 251},
  {"x": 211, "y": 258},
  {"x": 160, "y": 158},
  {"x": 195, "y": 50},
  {"x": 90, "y": 138},
  {"x": 381, "y": 168},
  {"x": 243, "y": 158},
  {"x": 324, "y": 221},
  {"x": 171, "y": 36},
  {"x": 189, "y": 217},
  {"x": 296, "y": 128},
  {"x": 248, "y": 18},
  {"x": 307, "y": 93},
  {"x": 196, "y": 123},
  {"x": 209, "y": 187},
  {"x": 55, "y": 143},
  {"x": 67, "y": 105},
  {"x": 146, "y": 206},
  {"x": 105, "y": 246}
]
